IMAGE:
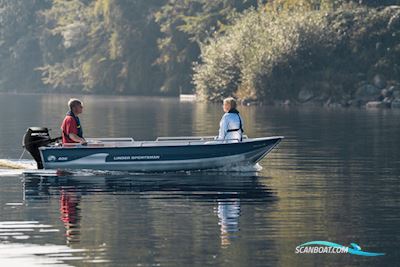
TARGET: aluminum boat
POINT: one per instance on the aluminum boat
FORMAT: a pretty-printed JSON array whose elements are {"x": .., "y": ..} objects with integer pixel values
[{"x": 163, "y": 154}]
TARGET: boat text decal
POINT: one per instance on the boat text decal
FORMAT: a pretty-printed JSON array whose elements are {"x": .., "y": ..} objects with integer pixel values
[{"x": 136, "y": 157}]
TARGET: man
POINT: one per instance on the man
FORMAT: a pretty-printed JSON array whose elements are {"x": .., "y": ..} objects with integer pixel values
[{"x": 71, "y": 127}]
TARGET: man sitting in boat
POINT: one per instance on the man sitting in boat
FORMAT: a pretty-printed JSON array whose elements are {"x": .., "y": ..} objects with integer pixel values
[
  {"x": 230, "y": 126},
  {"x": 71, "y": 127}
]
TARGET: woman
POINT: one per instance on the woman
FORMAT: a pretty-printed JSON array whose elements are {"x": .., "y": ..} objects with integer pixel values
[{"x": 230, "y": 126}]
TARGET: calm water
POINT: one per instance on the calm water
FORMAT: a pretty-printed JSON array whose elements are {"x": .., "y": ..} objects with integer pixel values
[{"x": 334, "y": 178}]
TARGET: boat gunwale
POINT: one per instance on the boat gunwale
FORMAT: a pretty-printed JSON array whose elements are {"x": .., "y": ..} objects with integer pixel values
[{"x": 161, "y": 144}]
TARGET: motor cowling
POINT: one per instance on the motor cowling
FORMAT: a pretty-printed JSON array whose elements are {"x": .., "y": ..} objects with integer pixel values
[{"x": 34, "y": 138}]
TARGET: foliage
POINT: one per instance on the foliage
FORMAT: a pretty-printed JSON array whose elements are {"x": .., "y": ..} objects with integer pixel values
[
  {"x": 19, "y": 44},
  {"x": 272, "y": 54},
  {"x": 247, "y": 47},
  {"x": 102, "y": 46},
  {"x": 186, "y": 24}
]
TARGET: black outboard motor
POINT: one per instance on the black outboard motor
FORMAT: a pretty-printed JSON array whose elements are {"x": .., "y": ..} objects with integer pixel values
[{"x": 34, "y": 138}]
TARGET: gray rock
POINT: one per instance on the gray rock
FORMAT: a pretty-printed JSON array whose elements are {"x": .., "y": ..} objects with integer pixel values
[
  {"x": 379, "y": 81},
  {"x": 396, "y": 103},
  {"x": 335, "y": 105},
  {"x": 388, "y": 100},
  {"x": 322, "y": 97},
  {"x": 347, "y": 103},
  {"x": 378, "y": 46},
  {"x": 361, "y": 76},
  {"x": 396, "y": 94},
  {"x": 305, "y": 95},
  {"x": 394, "y": 22},
  {"x": 384, "y": 92},
  {"x": 377, "y": 104},
  {"x": 328, "y": 102},
  {"x": 358, "y": 103},
  {"x": 367, "y": 92}
]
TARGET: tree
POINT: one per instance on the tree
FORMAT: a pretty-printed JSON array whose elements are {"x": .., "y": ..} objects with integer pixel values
[
  {"x": 105, "y": 46},
  {"x": 19, "y": 47},
  {"x": 186, "y": 24},
  {"x": 269, "y": 55}
]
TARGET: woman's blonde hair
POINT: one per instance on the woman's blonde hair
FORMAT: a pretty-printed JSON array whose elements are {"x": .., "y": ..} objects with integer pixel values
[{"x": 231, "y": 101}]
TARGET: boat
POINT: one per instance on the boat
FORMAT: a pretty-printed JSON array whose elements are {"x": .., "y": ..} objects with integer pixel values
[
  {"x": 162, "y": 155},
  {"x": 187, "y": 97}
]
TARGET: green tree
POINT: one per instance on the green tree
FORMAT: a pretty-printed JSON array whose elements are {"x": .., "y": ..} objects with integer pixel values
[
  {"x": 19, "y": 46},
  {"x": 272, "y": 55},
  {"x": 186, "y": 24},
  {"x": 106, "y": 46}
]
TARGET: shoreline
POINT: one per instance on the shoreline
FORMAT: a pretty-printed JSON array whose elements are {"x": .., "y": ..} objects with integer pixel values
[{"x": 386, "y": 99}]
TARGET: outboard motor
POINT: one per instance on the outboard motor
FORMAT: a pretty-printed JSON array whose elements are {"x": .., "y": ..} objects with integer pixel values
[{"x": 34, "y": 138}]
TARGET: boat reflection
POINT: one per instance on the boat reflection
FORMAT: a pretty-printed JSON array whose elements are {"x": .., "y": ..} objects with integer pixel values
[{"x": 225, "y": 191}]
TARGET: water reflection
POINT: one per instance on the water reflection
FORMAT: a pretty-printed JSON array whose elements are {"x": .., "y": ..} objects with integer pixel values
[
  {"x": 228, "y": 215},
  {"x": 226, "y": 192},
  {"x": 70, "y": 214}
]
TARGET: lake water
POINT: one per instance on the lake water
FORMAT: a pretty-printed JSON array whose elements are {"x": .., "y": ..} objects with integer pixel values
[{"x": 334, "y": 178}]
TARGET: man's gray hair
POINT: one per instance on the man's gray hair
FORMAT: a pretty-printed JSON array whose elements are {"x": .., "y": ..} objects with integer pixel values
[
  {"x": 231, "y": 101},
  {"x": 73, "y": 102}
]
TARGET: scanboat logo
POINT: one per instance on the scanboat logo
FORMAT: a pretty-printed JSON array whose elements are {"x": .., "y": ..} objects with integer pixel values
[{"x": 325, "y": 247}]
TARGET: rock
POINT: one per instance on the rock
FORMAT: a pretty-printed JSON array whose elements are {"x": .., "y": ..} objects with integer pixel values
[
  {"x": 346, "y": 103},
  {"x": 327, "y": 103},
  {"x": 335, "y": 105},
  {"x": 357, "y": 103},
  {"x": 396, "y": 94},
  {"x": 387, "y": 92},
  {"x": 305, "y": 95},
  {"x": 367, "y": 92},
  {"x": 394, "y": 22},
  {"x": 388, "y": 100},
  {"x": 377, "y": 104},
  {"x": 361, "y": 76},
  {"x": 379, "y": 81},
  {"x": 378, "y": 46},
  {"x": 396, "y": 103},
  {"x": 332, "y": 103},
  {"x": 322, "y": 97}
]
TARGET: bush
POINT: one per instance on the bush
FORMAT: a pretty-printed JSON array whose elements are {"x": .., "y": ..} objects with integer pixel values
[{"x": 273, "y": 55}]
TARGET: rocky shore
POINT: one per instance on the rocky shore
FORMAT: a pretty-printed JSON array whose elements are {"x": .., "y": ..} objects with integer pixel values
[{"x": 377, "y": 93}]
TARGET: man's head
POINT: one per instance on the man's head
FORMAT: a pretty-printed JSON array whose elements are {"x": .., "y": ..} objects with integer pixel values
[
  {"x": 229, "y": 103},
  {"x": 75, "y": 105}
]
